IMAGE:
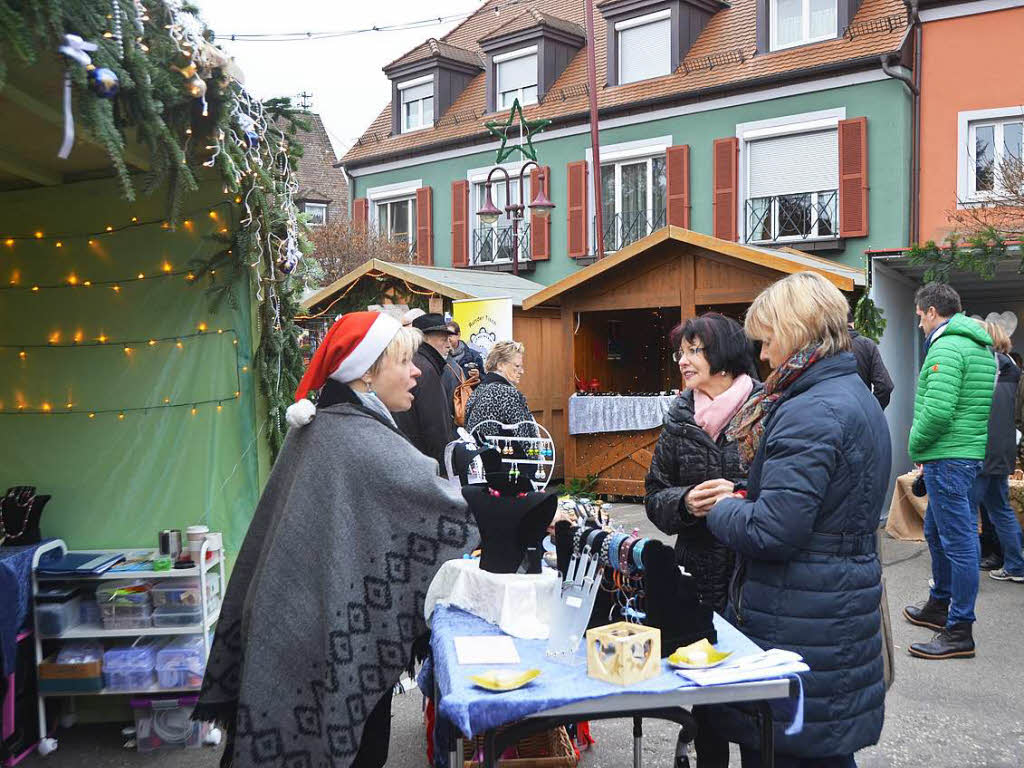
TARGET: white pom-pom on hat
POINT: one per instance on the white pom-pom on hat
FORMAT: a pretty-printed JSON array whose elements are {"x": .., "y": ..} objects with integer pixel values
[{"x": 300, "y": 413}]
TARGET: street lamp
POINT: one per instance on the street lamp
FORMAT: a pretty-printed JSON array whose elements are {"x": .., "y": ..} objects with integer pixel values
[{"x": 540, "y": 206}]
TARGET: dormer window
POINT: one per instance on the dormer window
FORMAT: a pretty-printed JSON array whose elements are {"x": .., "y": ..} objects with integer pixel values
[
  {"x": 417, "y": 97},
  {"x": 516, "y": 76},
  {"x": 650, "y": 38},
  {"x": 798, "y": 22},
  {"x": 644, "y": 46}
]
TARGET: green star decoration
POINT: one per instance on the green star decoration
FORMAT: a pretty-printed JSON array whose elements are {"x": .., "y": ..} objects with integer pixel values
[{"x": 526, "y": 129}]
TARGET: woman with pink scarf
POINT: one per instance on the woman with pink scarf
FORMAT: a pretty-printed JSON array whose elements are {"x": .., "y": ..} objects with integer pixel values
[{"x": 716, "y": 362}]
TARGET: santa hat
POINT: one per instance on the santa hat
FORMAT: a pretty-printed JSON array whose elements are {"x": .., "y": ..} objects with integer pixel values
[{"x": 349, "y": 349}]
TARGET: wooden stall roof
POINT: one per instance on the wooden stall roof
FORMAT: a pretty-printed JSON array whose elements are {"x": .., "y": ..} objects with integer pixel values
[
  {"x": 784, "y": 260},
  {"x": 450, "y": 283}
]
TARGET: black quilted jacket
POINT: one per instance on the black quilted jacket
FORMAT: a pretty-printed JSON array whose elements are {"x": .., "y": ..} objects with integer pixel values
[{"x": 684, "y": 457}]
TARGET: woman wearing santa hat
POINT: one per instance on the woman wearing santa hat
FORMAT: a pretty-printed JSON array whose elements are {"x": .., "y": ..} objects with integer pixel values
[{"x": 326, "y": 597}]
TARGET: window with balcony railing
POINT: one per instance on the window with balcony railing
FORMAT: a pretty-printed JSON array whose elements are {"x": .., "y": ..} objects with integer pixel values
[
  {"x": 791, "y": 187},
  {"x": 633, "y": 200},
  {"x": 493, "y": 244},
  {"x": 792, "y": 217}
]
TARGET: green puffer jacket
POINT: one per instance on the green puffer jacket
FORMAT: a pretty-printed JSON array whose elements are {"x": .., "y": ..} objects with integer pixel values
[{"x": 954, "y": 394}]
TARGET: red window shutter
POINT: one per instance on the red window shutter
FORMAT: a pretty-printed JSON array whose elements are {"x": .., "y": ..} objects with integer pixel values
[
  {"x": 726, "y": 183},
  {"x": 540, "y": 226},
  {"x": 677, "y": 165},
  {"x": 576, "y": 176},
  {"x": 460, "y": 223},
  {"x": 853, "y": 177},
  {"x": 425, "y": 226},
  {"x": 360, "y": 208}
]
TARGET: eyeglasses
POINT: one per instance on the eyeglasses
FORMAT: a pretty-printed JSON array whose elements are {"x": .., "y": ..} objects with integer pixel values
[{"x": 690, "y": 352}]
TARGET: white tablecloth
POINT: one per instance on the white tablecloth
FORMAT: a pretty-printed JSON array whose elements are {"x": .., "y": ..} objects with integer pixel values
[
  {"x": 519, "y": 604},
  {"x": 589, "y": 414}
]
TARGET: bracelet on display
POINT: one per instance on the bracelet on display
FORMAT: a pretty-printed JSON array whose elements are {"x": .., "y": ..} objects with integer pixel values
[
  {"x": 605, "y": 547},
  {"x": 615, "y": 549},
  {"x": 623, "y": 563},
  {"x": 589, "y": 545},
  {"x": 577, "y": 538},
  {"x": 599, "y": 545},
  {"x": 627, "y": 561},
  {"x": 637, "y": 555}
]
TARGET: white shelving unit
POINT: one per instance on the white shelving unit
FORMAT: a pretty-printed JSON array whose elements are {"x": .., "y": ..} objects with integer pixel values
[{"x": 210, "y": 612}]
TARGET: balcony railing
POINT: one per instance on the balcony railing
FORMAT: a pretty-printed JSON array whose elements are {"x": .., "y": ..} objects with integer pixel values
[
  {"x": 811, "y": 215},
  {"x": 493, "y": 244},
  {"x": 629, "y": 226}
]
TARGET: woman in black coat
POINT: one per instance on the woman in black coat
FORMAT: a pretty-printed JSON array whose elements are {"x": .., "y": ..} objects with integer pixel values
[
  {"x": 715, "y": 359},
  {"x": 809, "y": 577}
]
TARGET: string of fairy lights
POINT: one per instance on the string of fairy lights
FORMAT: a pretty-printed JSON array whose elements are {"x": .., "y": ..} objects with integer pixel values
[
  {"x": 59, "y": 341},
  {"x": 94, "y": 239}
]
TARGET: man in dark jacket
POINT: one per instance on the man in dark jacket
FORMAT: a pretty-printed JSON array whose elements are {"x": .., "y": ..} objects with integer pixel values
[
  {"x": 463, "y": 363},
  {"x": 870, "y": 367},
  {"x": 991, "y": 489},
  {"x": 428, "y": 424}
]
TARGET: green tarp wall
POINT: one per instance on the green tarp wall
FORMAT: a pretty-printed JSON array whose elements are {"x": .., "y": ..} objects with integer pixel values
[{"x": 116, "y": 482}]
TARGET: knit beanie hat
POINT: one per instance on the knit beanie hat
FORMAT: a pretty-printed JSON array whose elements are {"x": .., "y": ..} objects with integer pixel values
[{"x": 349, "y": 349}]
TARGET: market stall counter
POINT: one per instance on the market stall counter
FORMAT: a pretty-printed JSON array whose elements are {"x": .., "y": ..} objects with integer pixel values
[{"x": 564, "y": 693}]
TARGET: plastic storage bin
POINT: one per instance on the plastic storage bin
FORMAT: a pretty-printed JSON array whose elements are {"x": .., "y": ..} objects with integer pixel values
[
  {"x": 57, "y": 609},
  {"x": 185, "y": 592},
  {"x": 163, "y": 723},
  {"x": 130, "y": 667},
  {"x": 125, "y": 604},
  {"x": 178, "y": 616},
  {"x": 77, "y": 668},
  {"x": 180, "y": 663}
]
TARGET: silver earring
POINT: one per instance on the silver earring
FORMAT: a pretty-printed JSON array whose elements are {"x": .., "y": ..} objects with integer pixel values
[{"x": 369, "y": 386}]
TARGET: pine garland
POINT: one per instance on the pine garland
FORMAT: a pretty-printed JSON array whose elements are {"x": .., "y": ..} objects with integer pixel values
[{"x": 161, "y": 49}]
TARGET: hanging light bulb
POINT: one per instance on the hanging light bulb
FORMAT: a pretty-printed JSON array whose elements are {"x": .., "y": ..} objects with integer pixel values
[
  {"x": 120, "y": 416},
  {"x": 488, "y": 213}
]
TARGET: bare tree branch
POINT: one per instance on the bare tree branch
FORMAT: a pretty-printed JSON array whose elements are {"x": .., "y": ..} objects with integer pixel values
[{"x": 341, "y": 247}]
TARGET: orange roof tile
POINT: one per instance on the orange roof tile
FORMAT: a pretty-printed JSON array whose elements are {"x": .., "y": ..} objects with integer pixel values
[
  {"x": 436, "y": 49},
  {"x": 531, "y": 18},
  {"x": 724, "y": 56}
]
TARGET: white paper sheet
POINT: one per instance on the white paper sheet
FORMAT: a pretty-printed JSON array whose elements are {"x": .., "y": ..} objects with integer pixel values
[{"x": 486, "y": 649}]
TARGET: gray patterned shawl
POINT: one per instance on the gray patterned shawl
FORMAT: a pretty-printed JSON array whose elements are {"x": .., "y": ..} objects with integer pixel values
[{"x": 326, "y": 596}]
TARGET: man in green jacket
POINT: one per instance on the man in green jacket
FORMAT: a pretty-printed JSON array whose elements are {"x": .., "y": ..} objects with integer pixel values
[{"x": 949, "y": 438}]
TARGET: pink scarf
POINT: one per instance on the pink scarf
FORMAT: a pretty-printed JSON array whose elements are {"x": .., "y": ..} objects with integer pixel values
[{"x": 714, "y": 415}]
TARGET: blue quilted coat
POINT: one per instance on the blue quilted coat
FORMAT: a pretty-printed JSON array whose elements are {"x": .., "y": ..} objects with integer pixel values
[{"x": 809, "y": 578}]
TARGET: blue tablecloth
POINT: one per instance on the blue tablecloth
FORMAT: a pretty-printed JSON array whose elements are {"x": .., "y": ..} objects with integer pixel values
[
  {"x": 473, "y": 710},
  {"x": 15, "y": 598},
  {"x": 590, "y": 414}
]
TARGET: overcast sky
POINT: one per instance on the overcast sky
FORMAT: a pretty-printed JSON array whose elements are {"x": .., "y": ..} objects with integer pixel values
[{"x": 344, "y": 73}]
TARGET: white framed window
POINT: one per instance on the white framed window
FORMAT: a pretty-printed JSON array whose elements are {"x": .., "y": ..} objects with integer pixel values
[
  {"x": 992, "y": 155},
  {"x": 416, "y": 99},
  {"x": 492, "y": 243},
  {"x": 316, "y": 214},
  {"x": 515, "y": 76},
  {"x": 790, "y": 177},
  {"x": 633, "y": 196},
  {"x": 396, "y": 219},
  {"x": 644, "y": 47},
  {"x": 797, "y": 22}
]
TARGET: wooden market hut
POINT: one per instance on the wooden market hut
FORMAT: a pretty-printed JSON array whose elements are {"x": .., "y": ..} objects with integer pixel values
[
  {"x": 616, "y": 316},
  {"x": 433, "y": 289}
]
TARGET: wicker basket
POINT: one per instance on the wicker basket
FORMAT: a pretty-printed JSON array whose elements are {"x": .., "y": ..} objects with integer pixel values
[{"x": 548, "y": 749}]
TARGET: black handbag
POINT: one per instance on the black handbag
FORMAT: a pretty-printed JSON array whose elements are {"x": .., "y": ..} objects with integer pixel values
[{"x": 20, "y": 511}]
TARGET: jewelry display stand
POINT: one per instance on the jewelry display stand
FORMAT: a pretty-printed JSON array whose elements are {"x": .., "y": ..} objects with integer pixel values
[
  {"x": 535, "y": 454},
  {"x": 572, "y": 612}
]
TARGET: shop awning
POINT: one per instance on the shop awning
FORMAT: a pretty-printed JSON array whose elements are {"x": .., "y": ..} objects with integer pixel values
[
  {"x": 1007, "y": 283},
  {"x": 784, "y": 260},
  {"x": 450, "y": 283}
]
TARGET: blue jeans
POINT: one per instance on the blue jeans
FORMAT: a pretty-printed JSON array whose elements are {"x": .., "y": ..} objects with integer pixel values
[
  {"x": 951, "y": 530},
  {"x": 992, "y": 492}
]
